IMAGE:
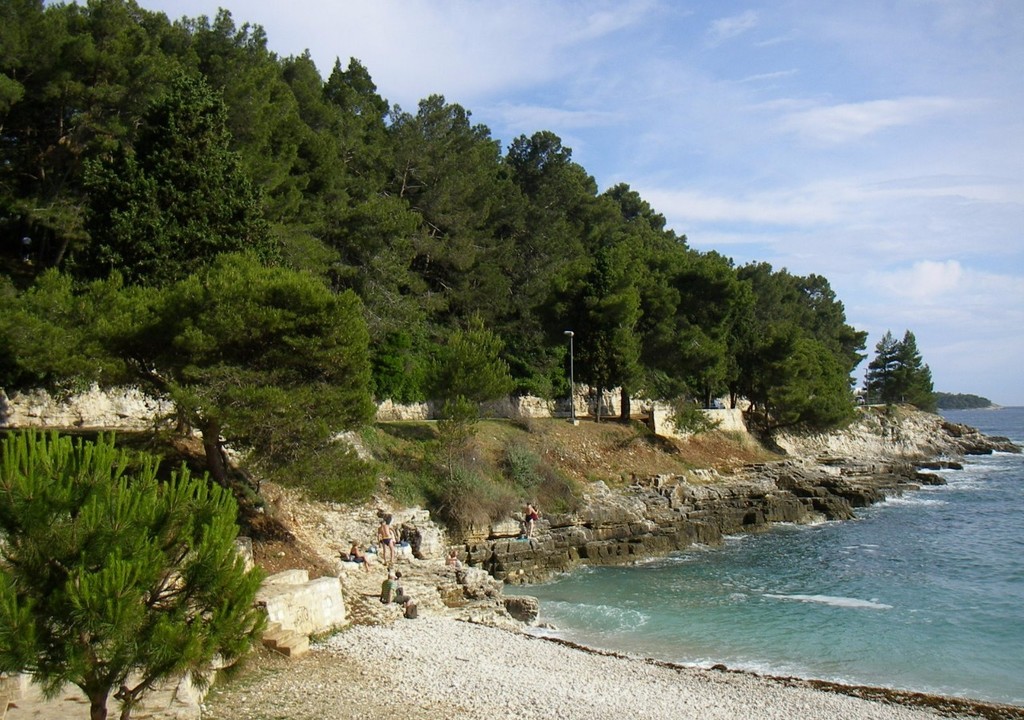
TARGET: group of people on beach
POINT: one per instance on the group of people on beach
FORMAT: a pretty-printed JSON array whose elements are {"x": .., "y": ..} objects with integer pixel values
[
  {"x": 391, "y": 590},
  {"x": 386, "y": 543}
]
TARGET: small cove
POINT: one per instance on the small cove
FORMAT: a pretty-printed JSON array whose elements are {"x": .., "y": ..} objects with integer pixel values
[{"x": 923, "y": 592}]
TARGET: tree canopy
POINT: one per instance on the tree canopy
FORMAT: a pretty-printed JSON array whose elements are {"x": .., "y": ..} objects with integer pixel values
[
  {"x": 267, "y": 359},
  {"x": 142, "y": 154}
]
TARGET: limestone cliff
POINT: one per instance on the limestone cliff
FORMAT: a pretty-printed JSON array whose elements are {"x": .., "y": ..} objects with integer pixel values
[
  {"x": 894, "y": 432},
  {"x": 826, "y": 477}
]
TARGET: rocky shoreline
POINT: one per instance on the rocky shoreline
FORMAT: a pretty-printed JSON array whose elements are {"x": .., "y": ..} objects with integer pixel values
[
  {"x": 467, "y": 656},
  {"x": 885, "y": 454}
]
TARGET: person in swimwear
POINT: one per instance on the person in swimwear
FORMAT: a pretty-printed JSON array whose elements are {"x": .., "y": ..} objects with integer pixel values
[
  {"x": 356, "y": 555},
  {"x": 386, "y": 540},
  {"x": 530, "y": 518}
]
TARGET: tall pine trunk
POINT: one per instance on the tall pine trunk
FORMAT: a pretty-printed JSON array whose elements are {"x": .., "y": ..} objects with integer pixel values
[{"x": 215, "y": 462}]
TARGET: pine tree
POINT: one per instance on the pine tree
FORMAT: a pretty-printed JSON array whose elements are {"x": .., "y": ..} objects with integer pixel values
[
  {"x": 167, "y": 206},
  {"x": 915, "y": 377},
  {"x": 111, "y": 580},
  {"x": 897, "y": 373},
  {"x": 468, "y": 371},
  {"x": 880, "y": 379}
]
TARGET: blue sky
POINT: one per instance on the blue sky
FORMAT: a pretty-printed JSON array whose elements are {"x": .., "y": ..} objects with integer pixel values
[{"x": 879, "y": 143}]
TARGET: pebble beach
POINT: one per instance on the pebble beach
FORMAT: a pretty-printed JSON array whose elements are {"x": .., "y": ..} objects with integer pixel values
[{"x": 440, "y": 667}]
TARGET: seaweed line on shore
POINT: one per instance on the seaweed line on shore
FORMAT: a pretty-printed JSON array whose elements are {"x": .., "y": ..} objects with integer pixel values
[{"x": 944, "y": 704}]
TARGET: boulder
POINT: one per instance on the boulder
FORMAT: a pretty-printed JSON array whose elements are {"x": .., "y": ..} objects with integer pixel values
[{"x": 524, "y": 608}]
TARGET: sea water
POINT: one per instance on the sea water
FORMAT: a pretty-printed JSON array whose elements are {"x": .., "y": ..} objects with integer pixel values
[{"x": 923, "y": 592}]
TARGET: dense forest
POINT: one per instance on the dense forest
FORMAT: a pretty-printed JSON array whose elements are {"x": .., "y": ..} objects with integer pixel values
[{"x": 273, "y": 250}]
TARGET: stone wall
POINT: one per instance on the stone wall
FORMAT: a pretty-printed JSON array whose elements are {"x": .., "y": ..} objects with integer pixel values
[
  {"x": 130, "y": 409},
  {"x": 306, "y": 606},
  {"x": 122, "y": 408},
  {"x": 660, "y": 415}
]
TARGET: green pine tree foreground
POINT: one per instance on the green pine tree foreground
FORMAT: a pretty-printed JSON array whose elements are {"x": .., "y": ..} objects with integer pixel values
[{"x": 111, "y": 580}]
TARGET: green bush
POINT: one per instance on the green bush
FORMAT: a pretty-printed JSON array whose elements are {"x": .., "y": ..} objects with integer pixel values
[
  {"x": 411, "y": 489},
  {"x": 333, "y": 473},
  {"x": 468, "y": 499},
  {"x": 520, "y": 466},
  {"x": 688, "y": 418},
  {"x": 537, "y": 481}
]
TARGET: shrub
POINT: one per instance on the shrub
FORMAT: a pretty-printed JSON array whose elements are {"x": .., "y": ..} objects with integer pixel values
[
  {"x": 688, "y": 418},
  {"x": 538, "y": 481},
  {"x": 468, "y": 500},
  {"x": 332, "y": 472}
]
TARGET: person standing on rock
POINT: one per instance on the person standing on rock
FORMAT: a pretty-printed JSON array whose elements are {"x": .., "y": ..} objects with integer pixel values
[
  {"x": 530, "y": 518},
  {"x": 386, "y": 540}
]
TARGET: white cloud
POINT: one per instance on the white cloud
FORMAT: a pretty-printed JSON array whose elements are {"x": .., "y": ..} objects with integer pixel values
[
  {"x": 760, "y": 77},
  {"x": 963, "y": 319},
  {"x": 782, "y": 207},
  {"x": 540, "y": 117},
  {"x": 729, "y": 27},
  {"x": 852, "y": 121},
  {"x": 925, "y": 282},
  {"x": 948, "y": 282}
]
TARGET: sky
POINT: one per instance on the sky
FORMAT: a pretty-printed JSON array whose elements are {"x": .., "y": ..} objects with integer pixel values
[{"x": 879, "y": 143}]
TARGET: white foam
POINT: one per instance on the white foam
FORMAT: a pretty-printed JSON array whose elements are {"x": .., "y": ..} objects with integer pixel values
[
  {"x": 834, "y": 601},
  {"x": 912, "y": 500},
  {"x": 608, "y": 618}
]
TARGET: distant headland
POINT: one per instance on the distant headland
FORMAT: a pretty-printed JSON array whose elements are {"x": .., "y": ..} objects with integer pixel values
[{"x": 961, "y": 401}]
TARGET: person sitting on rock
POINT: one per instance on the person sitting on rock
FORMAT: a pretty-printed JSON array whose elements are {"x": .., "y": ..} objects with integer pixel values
[
  {"x": 453, "y": 560},
  {"x": 400, "y": 597},
  {"x": 387, "y": 588},
  {"x": 356, "y": 555}
]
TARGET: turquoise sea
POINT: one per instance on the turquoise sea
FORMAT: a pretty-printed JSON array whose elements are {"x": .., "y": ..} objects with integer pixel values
[{"x": 924, "y": 592}]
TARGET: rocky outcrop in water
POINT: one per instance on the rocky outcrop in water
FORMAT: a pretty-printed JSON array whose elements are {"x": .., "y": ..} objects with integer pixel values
[
  {"x": 895, "y": 432},
  {"x": 661, "y": 514},
  {"x": 885, "y": 453}
]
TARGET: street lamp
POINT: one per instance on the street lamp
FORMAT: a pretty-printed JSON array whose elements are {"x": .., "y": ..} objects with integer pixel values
[{"x": 572, "y": 382}]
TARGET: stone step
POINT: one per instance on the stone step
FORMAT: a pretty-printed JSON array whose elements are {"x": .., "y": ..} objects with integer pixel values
[{"x": 287, "y": 642}]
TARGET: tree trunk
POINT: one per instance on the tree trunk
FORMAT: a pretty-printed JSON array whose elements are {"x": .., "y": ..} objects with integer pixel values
[
  {"x": 626, "y": 406},
  {"x": 98, "y": 705},
  {"x": 214, "y": 455}
]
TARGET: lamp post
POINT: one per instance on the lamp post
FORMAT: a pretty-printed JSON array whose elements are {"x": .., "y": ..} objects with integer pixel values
[{"x": 572, "y": 382}]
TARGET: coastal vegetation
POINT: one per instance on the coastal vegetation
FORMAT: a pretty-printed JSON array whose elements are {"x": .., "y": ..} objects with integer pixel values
[
  {"x": 273, "y": 251},
  {"x": 897, "y": 374}
]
